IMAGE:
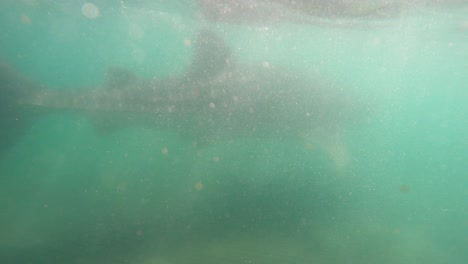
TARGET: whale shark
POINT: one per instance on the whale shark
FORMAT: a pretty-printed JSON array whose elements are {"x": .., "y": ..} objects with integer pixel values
[
  {"x": 314, "y": 12},
  {"x": 217, "y": 98},
  {"x": 302, "y": 11}
]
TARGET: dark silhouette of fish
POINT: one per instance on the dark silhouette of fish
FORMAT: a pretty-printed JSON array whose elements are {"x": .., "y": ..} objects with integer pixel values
[{"x": 216, "y": 99}]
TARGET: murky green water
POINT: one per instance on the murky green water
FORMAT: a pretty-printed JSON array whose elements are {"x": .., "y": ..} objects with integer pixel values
[{"x": 71, "y": 193}]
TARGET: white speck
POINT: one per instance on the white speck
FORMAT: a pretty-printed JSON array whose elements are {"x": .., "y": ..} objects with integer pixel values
[
  {"x": 212, "y": 105},
  {"x": 266, "y": 64},
  {"x": 235, "y": 98},
  {"x": 164, "y": 151},
  {"x": 90, "y": 10}
]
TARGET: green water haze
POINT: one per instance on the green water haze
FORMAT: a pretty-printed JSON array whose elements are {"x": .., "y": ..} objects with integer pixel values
[{"x": 71, "y": 193}]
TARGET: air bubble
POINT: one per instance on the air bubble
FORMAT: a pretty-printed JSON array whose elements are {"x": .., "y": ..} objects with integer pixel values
[{"x": 90, "y": 10}]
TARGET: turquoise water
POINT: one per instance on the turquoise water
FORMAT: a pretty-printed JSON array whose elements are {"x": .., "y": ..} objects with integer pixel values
[{"x": 70, "y": 193}]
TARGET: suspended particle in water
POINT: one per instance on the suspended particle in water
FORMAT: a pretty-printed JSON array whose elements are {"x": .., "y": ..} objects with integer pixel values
[
  {"x": 198, "y": 186},
  {"x": 164, "y": 151},
  {"x": 187, "y": 42},
  {"x": 90, "y": 10},
  {"x": 25, "y": 19},
  {"x": 404, "y": 188},
  {"x": 215, "y": 158},
  {"x": 376, "y": 41}
]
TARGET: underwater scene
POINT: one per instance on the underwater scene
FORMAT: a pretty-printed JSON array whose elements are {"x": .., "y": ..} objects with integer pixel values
[{"x": 233, "y": 131}]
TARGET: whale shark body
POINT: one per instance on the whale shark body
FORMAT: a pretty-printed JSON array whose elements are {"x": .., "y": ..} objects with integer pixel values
[
  {"x": 216, "y": 99},
  {"x": 314, "y": 12},
  {"x": 302, "y": 11}
]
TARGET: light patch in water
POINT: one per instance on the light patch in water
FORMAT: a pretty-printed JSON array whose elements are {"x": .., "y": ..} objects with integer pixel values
[
  {"x": 136, "y": 32},
  {"x": 164, "y": 151},
  {"x": 464, "y": 25},
  {"x": 25, "y": 19},
  {"x": 30, "y": 2},
  {"x": 90, "y": 10},
  {"x": 198, "y": 186}
]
